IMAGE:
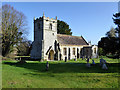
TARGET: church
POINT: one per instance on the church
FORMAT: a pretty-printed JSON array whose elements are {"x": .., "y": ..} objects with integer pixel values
[{"x": 48, "y": 45}]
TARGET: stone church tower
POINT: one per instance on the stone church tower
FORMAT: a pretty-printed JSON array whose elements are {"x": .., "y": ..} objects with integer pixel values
[{"x": 45, "y": 38}]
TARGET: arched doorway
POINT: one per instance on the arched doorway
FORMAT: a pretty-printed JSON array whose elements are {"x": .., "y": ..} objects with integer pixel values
[{"x": 51, "y": 55}]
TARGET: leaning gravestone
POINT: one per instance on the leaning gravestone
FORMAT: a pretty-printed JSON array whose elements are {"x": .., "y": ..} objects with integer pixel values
[
  {"x": 102, "y": 61},
  {"x": 104, "y": 66}
]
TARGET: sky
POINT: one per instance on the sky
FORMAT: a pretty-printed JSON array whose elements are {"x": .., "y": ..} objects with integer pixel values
[{"x": 90, "y": 19}]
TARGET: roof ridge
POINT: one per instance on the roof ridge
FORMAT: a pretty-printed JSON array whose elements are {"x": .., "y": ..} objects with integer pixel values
[{"x": 69, "y": 35}]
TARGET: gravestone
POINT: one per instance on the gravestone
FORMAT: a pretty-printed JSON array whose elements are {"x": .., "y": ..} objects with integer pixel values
[
  {"x": 47, "y": 66},
  {"x": 88, "y": 64},
  {"x": 93, "y": 62},
  {"x": 104, "y": 66},
  {"x": 65, "y": 59},
  {"x": 87, "y": 60},
  {"x": 75, "y": 59},
  {"x": 102, "y": 61}
]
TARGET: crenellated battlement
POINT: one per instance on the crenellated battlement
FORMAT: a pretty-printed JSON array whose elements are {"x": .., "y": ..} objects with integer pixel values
[{"x": 45, "y": 18}]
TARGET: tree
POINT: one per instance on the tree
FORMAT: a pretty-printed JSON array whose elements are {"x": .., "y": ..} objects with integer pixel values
[
  {"x": 63, "y": 28},
  {"x": 116, "y": 20},
  {"x": 109, "y": 45},
  {"x": 111, "y": 33},
  {"x": 13, "y": 28},
  {"x": 100, "y": 51},
  {"x": 24, "y": 48}
]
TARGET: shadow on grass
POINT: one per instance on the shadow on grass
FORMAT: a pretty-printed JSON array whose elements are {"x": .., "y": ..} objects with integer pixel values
[{"x": 66, "y": 67}]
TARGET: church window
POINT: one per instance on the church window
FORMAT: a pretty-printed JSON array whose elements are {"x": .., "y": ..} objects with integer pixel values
[
  {"x": 65, "y": 51},
  {"x": 50, "y": 27},
  {"x": 94, "y": 50},
  {"x": 38, "y": 25},
  {"x": 73, "y": 51}
]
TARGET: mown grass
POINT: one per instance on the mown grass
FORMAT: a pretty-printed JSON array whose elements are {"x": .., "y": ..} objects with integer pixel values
[{"x": 71, "y": 74}]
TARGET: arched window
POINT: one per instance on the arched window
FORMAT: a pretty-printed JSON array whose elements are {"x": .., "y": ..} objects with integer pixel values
[
  {"x": 73, "y": 51},
  {"x": 50, "y": 27},
  {"x": 95, "y": 50},
  {"x": 65, "y": 51}
]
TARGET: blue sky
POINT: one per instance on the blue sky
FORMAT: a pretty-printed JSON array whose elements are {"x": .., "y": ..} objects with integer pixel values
[{"x": 89, "y": 19}]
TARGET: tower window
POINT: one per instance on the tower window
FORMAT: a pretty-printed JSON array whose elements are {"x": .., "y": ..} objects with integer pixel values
[{"x": 50, "y": 26}]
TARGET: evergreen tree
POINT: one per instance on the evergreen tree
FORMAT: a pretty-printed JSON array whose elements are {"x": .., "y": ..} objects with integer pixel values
[
  {"x": 116, "y": 20},
  {"x": 63, "y": 28},
  {"x": 111, "y": 33}
]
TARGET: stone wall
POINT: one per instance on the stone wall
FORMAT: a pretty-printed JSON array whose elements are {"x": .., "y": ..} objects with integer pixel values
[
  {"x": 90, "y": 52},
  {"x": 36, "y": 51},
  {"x": 50, "y": 35},
  {"x": 72, "y": 56}
]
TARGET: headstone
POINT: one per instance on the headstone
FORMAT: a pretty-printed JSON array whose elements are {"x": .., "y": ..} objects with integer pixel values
[
  {"x": 65, "y": 59},
  {"x": 20, "y": 58},
  {"x": 104, "y": 66},
  {"x": 75, "y": 59},
  {"x": 102, "y": 61},
  {"x": 93, "y": 62},
  {"x": 88, "y": 64},
  {"x": 87, "y": 60},
  {"x": 47, "y": 66}
]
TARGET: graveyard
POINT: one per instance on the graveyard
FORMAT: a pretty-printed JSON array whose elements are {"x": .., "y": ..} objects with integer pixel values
[{"x": 60, "y": 74}]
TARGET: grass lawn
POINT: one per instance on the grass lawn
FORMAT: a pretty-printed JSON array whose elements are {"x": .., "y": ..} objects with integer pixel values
[{"x": 71, "y": 74}]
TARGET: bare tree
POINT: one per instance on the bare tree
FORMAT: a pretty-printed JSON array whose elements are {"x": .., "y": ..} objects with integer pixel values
[
  {"x": 14, "y": 27},
  {"x": 0, "y": 31}
]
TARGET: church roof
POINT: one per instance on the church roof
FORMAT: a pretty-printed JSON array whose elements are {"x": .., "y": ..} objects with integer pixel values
[{"x": 71, "y": 40}]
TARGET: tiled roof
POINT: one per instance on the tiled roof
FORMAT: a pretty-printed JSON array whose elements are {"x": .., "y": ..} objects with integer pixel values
[{"x": 71, "y": 40}]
